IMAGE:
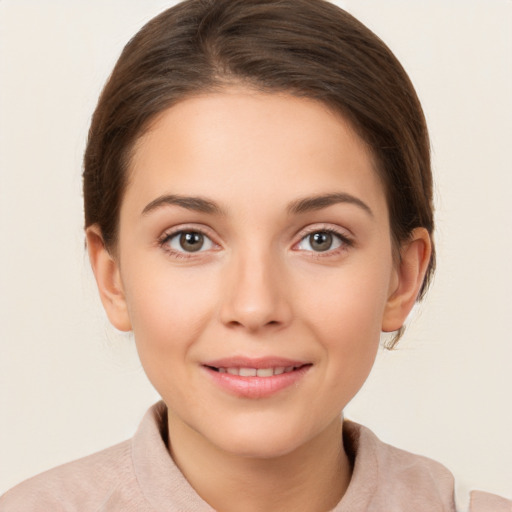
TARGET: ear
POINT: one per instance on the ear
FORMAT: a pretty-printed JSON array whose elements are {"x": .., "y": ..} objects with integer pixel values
[
  {"x": 108, "y": 279},
  {"x": 409, "y": 274}
]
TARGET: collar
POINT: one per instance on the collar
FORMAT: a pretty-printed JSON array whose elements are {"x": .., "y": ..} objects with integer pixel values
[{"x": 383, "y": 478}]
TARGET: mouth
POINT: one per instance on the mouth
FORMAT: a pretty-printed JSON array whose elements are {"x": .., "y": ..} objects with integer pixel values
[
  {"x": 256, "y": 378},
  {"x": 256, "y": 372}
]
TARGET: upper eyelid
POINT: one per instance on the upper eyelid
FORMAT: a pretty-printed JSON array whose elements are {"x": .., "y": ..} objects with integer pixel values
[
  {"x": 331, "y": 228},
  {"x": 184, "y": 228},
  {"x": 345, "y": 236},
  {"x": 207, "y": 231},
  {"x": 163, "y": 242}
]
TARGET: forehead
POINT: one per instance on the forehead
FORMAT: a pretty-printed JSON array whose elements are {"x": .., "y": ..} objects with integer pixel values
[{"x": 239, "y": 145}]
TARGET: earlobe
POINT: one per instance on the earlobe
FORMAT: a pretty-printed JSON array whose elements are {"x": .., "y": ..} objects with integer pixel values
[
  {"x": 108, "y": 279},
  {"x": 414, "y": 259}
]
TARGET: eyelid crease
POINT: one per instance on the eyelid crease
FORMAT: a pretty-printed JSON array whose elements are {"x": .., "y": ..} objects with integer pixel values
[
  {"x": 344, "y": 233},
  {"x": 176, "y": 230}
]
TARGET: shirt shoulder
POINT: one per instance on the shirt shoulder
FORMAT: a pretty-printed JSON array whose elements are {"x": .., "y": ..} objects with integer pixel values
[
  {"x": 389, "y": 478},
  {"x": 485, "y": 502},
  {"x": 138, "y": 475},
  {"x": 90, "y": 483}
]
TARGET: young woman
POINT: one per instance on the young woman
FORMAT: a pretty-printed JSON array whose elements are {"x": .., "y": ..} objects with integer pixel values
[{"x": 258, "y": 209}]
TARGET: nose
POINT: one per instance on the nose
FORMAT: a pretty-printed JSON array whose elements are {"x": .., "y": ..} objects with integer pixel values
[{"x": 255, "y": 294}]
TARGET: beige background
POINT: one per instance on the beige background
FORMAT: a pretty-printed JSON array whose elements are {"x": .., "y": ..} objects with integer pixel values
[{"x": 70, "y": 385}]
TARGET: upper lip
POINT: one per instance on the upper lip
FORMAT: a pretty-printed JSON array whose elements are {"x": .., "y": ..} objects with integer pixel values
[{"x": 250, "y": 362}]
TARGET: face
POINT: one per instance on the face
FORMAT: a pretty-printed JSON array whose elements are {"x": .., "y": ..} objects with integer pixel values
[{"x": 255, "y": 267}]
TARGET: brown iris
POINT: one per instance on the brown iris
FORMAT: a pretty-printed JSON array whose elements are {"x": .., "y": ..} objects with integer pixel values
[
  {"x": 191, "y": 241},
  {"x": 320, "y": 241}
]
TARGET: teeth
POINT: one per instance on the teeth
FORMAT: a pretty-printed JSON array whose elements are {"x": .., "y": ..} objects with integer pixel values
[
  {"x": 265, "y": 372},
  {"x": 257, "y": 372},
  {"x": 248, "y": 372}
]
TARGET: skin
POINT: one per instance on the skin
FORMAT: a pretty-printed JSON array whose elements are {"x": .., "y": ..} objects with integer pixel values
[{"x": 257, "y": 288}]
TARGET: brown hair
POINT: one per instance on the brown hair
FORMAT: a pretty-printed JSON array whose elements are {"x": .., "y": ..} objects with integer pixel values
[{"x": 309, "y": 48}]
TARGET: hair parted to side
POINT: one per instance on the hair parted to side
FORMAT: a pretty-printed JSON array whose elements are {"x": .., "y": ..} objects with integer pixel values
[{"x": 308, "y": 48}]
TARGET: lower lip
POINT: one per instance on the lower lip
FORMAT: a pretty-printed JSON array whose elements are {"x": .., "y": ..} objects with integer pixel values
[{"x": 257, "y": 387}]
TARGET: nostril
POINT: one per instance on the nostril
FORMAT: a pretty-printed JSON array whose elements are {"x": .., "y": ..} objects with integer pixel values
[{"x": 253, "y": 325}]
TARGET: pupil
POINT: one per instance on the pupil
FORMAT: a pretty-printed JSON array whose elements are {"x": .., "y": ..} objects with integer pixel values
[
  {"x": 321, "y": 241},
  {"x": 191, "y": 242}
]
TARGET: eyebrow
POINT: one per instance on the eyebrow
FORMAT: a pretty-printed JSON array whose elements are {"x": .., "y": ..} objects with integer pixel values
[
  {"x": 319, "y": 202},
  {"x": 198, "y": 204},
  {"x": 304, "y": 205}
]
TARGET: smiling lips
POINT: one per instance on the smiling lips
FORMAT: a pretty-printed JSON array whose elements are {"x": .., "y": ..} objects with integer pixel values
[
  {"x": 256, "y": 378},
  {"x": 257, "y": 372}
]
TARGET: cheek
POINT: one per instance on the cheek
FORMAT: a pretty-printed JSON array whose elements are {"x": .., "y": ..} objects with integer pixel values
[
  {"x": 345, "y": 311},
  {"x": 168, "y": 310},
  {"x": 347, "y": 303}
]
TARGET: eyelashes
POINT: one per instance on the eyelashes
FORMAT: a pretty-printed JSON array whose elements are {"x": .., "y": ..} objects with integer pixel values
[
  {"x": 187, "y": 242},
  {"x": 325, "y": 240},
  {"x": 192, "y": 242}
]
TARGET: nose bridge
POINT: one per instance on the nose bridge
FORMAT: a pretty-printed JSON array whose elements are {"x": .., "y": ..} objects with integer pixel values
[{"x": 255, "y": 293}]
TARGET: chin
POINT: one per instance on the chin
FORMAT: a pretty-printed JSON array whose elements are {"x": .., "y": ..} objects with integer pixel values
[
  {"x": 262, "y": 446},
  {"x": 261, "y": 438}
]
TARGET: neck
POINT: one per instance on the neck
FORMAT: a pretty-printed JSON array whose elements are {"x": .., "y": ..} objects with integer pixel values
[{"x": 311, "y": 478}]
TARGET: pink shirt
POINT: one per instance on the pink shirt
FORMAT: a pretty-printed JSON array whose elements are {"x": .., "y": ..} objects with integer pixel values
[{"x": 139, "y": 475}]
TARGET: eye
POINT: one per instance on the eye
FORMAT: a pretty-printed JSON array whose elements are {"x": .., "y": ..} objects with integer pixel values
[
  {"x": 188, "y": 241},
  {"x": 322, "y": 241}
]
